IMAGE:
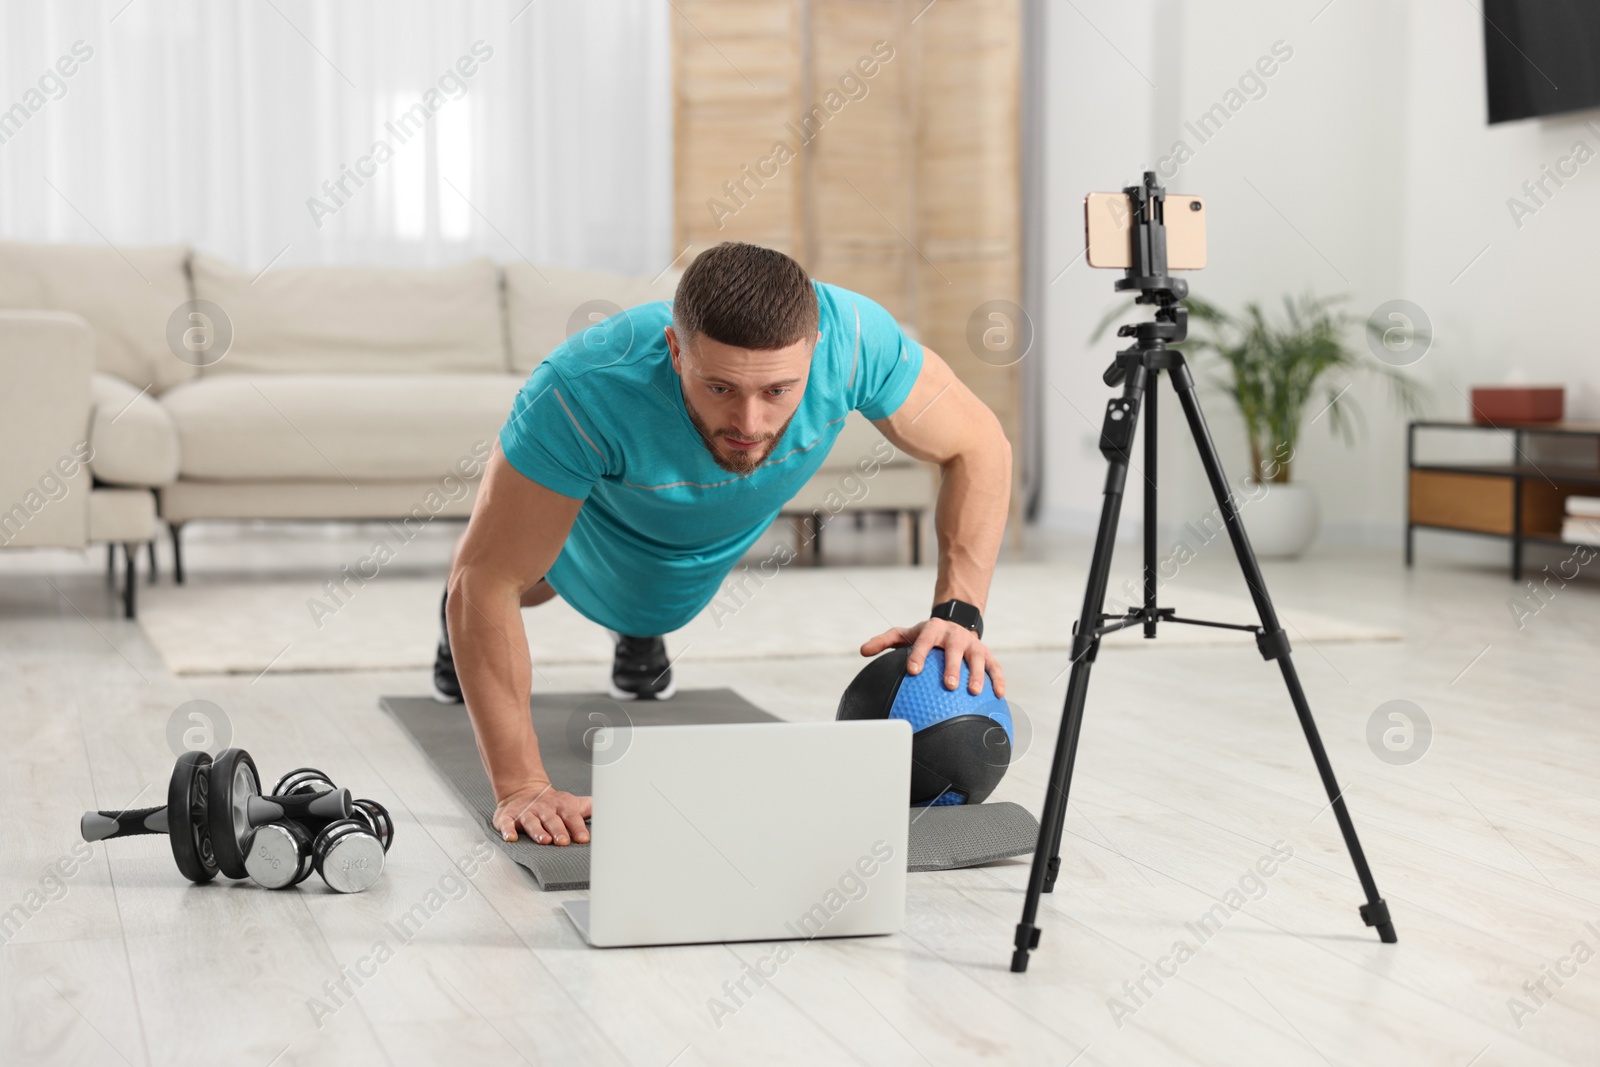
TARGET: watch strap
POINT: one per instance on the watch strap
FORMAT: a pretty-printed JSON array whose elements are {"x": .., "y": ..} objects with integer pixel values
[{"x": 961, "y": 613}]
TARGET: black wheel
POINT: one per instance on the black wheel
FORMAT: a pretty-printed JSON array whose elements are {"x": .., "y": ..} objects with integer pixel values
[
  {"x": 188, "y": 823},
  {"x": 234, "y": 780}
]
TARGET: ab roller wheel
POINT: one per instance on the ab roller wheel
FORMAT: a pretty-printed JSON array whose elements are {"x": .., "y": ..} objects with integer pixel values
[
  {"x": 230, "y": 831},
  {"x": 217, "y": 819},
  {"x": 184, "y": 819}
]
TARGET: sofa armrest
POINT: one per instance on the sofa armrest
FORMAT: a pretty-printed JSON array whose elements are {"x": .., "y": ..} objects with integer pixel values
[
  {"x": 135, "y": 440},
  {"x": 46, "y": 358}
]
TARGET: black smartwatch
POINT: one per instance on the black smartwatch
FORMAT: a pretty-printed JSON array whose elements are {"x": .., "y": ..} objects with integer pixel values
[{"x": 961, "y": 613}]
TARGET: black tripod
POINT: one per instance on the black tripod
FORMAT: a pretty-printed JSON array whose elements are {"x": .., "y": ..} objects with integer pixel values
[{"x": 1137, "y": 369}]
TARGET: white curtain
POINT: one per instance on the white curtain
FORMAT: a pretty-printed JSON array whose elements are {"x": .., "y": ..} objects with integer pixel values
[{"x": 252, "y": 129}]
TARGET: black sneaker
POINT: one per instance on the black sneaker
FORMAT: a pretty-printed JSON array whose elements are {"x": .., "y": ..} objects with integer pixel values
[
  {"x": 641, "y": 670},
  {"x": 446, "y": 686}
]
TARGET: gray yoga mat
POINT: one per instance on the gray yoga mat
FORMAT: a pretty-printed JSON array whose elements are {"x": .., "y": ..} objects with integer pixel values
[{"x": 940, "y": 839}]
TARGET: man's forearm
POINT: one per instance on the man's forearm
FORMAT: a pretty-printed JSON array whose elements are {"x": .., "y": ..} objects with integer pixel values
[
  {"x": 490, "y": 649},
  {"x": 970, "y": 516}
]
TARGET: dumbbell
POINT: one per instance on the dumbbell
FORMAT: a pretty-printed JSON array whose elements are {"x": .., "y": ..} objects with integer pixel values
[
  {"x": 310, "y": 780},
  {"x": 223, "y": 806},
  {"x": 347, "y": 852},
  {"x": 243, "y": 809}
]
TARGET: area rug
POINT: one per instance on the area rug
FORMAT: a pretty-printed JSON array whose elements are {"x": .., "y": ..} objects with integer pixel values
[{"x": 391, "y": 622}]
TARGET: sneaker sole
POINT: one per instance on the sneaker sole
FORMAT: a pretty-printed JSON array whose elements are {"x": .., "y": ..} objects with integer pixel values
[
  {"x": 445, "y": 698},
  {"x": 665, "y": 694}
]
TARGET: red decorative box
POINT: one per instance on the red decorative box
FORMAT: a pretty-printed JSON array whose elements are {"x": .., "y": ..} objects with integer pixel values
[{"x": 1495, "y": 404}]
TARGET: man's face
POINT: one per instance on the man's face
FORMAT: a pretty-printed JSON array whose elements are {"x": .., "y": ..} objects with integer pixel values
[{"x": 740, "y": 399}]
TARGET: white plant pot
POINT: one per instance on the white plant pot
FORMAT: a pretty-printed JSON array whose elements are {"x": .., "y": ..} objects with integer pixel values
[{"x": 1281, "y": 519}]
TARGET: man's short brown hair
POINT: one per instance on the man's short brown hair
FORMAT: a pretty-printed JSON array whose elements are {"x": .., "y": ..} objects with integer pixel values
[{"x": 745, "y": 296}]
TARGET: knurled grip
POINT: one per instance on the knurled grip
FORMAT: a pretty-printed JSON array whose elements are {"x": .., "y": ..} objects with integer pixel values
[{"x": 331, "y": 804}]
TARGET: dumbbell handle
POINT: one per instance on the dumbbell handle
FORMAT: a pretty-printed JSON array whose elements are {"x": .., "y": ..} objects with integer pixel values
[
  {"x": 103, "y": 825},
  {"x": 332, "y": 804}
]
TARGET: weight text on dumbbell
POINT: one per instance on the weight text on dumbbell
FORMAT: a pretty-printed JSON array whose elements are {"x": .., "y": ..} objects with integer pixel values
[{"x": 399, "y": 931}]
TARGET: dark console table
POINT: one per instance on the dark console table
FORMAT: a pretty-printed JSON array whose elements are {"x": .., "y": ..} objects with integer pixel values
[{"x": 1521, "y": 500}]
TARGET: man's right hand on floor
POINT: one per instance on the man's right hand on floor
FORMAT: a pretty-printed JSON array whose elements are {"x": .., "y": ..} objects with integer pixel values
[{"x": 544, "y": 813}]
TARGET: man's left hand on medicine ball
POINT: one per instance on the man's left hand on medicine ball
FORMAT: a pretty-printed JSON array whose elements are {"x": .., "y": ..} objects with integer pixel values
[{"x": 958, "y": 642}]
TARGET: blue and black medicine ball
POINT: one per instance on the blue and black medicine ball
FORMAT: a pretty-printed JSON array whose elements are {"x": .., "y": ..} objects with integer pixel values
[{"x": 960, "y": 741}]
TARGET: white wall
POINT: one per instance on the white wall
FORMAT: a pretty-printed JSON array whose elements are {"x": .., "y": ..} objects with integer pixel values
[
  {"x": 1366, "y": 168},
  {"x": 1098, "y": 114},
  {"x": 1520, "y": 309}
]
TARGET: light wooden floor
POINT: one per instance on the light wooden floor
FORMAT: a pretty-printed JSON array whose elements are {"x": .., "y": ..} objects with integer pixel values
[{"x": 1191, "y": 768}]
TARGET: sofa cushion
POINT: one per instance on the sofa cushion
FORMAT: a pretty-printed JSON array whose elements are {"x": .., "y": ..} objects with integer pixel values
[
  {"x": 135, "y": 442},
  {"x": 127, "y": 294},
  {"x": 541, "y": 304},
  {"x": 336, "y": 427},
  {"x": 860, "y": 446},
  {"x": 368, "y": 320}
]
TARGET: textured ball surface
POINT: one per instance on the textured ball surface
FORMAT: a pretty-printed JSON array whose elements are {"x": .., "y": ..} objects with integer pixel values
[
  {"x": 923, "y": 699},
  {"x": 960, "y": 741}
]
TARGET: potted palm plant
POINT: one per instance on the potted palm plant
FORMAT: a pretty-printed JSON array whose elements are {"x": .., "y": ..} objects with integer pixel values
[{"x": 1274, "y": 371}]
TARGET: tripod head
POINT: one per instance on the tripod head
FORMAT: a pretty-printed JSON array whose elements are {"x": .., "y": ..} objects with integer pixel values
[{"x": 1147, "y": 273}]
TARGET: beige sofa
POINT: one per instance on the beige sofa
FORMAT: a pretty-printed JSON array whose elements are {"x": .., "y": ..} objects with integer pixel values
[
  {"x": 54, "y": 411},
  {"x": 339, "y": 393}
]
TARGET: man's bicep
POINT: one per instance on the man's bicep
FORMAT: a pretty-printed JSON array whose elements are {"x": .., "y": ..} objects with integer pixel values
[
  {"x": 939, "y": 417},
  {"x": 517, "y": 527}
]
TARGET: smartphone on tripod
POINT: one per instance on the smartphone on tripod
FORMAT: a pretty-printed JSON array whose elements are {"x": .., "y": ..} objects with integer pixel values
[{"x": 1108, "y": 230}]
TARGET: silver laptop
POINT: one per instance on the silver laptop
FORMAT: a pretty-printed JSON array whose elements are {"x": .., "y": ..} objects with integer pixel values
[{"x": 747, "y": 832}]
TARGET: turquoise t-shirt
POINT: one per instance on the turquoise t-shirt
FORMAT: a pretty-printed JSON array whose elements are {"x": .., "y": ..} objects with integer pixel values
[{"x": 602, "y": 419}]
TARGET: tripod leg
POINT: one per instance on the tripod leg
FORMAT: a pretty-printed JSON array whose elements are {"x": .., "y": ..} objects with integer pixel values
[
  {"x": 1116, "y": 438},
  {"x": 1274, "y": 644},
  {"x": 1151, "y": 454}
]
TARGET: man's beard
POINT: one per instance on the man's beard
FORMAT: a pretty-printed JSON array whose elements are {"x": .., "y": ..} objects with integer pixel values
[{"x": 742, "y": 461}]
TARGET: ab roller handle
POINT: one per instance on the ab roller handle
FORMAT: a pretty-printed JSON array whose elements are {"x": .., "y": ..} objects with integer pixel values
[
  {"x": 104, "y": 825},
  {"x": 185, "y": 819},
  {"x": 259, "y": 810}
]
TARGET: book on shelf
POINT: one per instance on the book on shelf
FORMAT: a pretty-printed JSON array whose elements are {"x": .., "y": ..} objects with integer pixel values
[
  {"x": 1580, "y": 531},
  {"x": 1584, "y": 507}
]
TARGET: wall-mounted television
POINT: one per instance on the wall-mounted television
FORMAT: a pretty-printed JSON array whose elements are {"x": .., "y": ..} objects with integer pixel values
[{"x": 1542, "y": 57}]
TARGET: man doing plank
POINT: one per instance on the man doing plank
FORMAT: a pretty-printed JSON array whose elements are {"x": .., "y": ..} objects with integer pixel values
[{"x": 643, "y": 457}]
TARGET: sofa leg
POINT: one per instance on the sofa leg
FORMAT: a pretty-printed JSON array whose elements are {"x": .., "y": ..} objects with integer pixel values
[
  {"x": 130, "y": 579},
  {"x": 153, "y": 569},
  {"x": 177, "y": 551},
  {"x": 916, "y": 537},
  {"x": 804, "y": 545},
  {"x": 111, "y": 565}
]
